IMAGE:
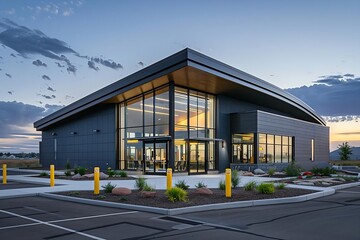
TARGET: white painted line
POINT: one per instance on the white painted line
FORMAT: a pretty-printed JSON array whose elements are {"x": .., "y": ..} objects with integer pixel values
[
  {"x": 348, "y": 192},
  {"x": 53, "y": 225},
  {"x": 67, "y": 220}
]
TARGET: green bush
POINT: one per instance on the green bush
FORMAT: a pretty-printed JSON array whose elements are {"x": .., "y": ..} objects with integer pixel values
[
  {"x": 121, "y": 173},
  {"x": 108, "y": 187},
  {"x": 323, "y": 171},
  {"x": 292, "y": 170},
  {"x": 101, "y": 197},
  {"x": 271, "y": 171},
  {"x": 140, "y": 183},
  {"x": 265, "y": 188},
  {"x": 80, "y": 170},
  {"x": 235, "y": 180},
  {"x": 67, "y": 173},
  {"x": 176, "y": 194},
  {"x": 110, "y": 172},
  {"x": 68, "y": 166},
  {"x": 222, "y": 185},
  {"x": 250, "y": 186},
  {"x": 148, "y": 188},
  {"x": 280, "y": 185},
  {"x": 43, "y": 174},
  {"x": 201, "y": 184},
  {"x": 182, "y": 184},
  {"x": 76, "y": 170}
]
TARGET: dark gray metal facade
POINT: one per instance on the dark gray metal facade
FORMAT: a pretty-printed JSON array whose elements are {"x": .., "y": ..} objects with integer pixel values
[{"x": 87, "y": 140}]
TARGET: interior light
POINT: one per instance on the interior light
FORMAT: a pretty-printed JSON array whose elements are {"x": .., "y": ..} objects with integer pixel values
[{"x": 132, "y": 141}]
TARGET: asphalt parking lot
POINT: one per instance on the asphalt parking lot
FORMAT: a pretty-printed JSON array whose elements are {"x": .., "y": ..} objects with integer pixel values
[
  {"x": 333, "y": 217},
  {"x": 15, "y": 185}
]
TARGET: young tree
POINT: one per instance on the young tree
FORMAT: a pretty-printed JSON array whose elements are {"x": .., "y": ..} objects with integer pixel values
[{"x": 344, "y": 151}]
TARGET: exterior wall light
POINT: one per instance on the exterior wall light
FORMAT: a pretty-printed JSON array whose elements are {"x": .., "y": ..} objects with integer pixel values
[
  {"x": 96, "y": 130},
  {"x": 73, "y": 133},
  {"x": 222, "y": 144},
  {"x": 53, "y": 134}
]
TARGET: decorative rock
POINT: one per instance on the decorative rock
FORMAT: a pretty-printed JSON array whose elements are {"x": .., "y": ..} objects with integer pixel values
[
  {"x": 76, "y": 177},
  {"x": 103, "y": 175},
  {"x": 249, "y": 174},
  {"x": 259, "y": 171},
  {"x": 90, "y": 175},
  {"x": 325, "y": 183},
  {"x": 341, "y": 179},
  {"x": 204, "y": 191},
  {"x": 122, "y": 191},
  {"x": 148, "y": 194}
]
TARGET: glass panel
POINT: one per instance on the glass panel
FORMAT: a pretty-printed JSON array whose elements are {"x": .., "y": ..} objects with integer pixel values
[
  {"x": 277, "y": 139},
  {"x": 149, "y": 131},
  {"x": 181, "y": 106},
  {"x": 162, "y": 130},
  {"x": 270, "y": 139},
  {"x": 201, "y": 110},
  {"x": 134, "y": 155},
  {"x": 285, "y": 140},
  {"x": 149, "y": 157},
  {"x": 210, "y": 112},
  {"x": 201, "y": 157},
  {"x": 160, "y": 157},
  {"x": 193, "y": 109},
  {"x": 134, "y": 132},
  {"x": 270, "y": 153},
  {"x": 211, "y": 155},
  {"x": 201, "y": 132},
  {"x": 180, "y": 156},
  {"x": 290, "y": 153},
  {"x": 278, "y": 153},
  {"x": 134, "y": 116},
  {"x": 149, "y": 109},
  {"x": 181, "y": 132},
  {"x": 193, "y": 157},
  {"x": 193, "y": 132},
  {"x": 122, "y": 115},
  {"x": 262, "y": 153},
  {"x": 162, "y": 106},
  {"x": 285, "y": 153},
  {"x": 262, "y": 138},
  {"x": 236, "y": 153}
]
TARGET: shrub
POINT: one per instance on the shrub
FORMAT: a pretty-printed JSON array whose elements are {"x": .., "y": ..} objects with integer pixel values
[
  {"x": 43, "y": 174},
  {"x": 80, "y": 170},
  {"x": 68, "y": 166},
  {"x": 108, "y": 187},
  {"x": 67, "y": 173},
  {"x": 101, "y": 197},
  {"x": 74, "y": 193},
  {"x": 266, "y": 188},
  {"x": 280, "y": 186},
  {"x": 271, "y": 171},
  {"x": 235, "y": 180},
  {"x": 292, "y": 170},
  {"x": 121, "y": 173},
  {"x": 201, "y": 184},
  {"x": 148, "y": 188},
  {"x": 110, "y": 172},
  {"x": 140, "y": 183},
  {"x": 182, "y": 184},
  {"x": 250, "y": 186},
  {"x": 176, "y": 194},
  {"x": 323, "y": 171},
  {"x": 222, "y": 185}
]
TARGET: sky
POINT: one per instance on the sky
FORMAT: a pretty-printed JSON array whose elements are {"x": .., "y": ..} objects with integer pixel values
[{"x": 53, "y": 53}]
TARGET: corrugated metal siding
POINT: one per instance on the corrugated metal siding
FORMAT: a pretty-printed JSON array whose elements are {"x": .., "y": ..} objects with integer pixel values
[{"x": 85, "y": 148}]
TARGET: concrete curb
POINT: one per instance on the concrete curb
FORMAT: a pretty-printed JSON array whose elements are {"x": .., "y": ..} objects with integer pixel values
[
  {"x": 209, "y": 207},
  {"x": 343, "y": 186}
]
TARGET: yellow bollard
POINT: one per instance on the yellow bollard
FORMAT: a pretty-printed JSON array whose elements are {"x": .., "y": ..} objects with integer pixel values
[
  {"x": 52, "y": 175},
  {"x": 168, "y": 178},
  {"x": 96, "y": 180},
  {"x": 4, "y": 173},
  {"x": 228, "y": 183}
]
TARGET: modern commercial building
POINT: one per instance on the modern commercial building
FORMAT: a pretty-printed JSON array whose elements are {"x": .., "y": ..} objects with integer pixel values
[{"x": 188, "y": 112}]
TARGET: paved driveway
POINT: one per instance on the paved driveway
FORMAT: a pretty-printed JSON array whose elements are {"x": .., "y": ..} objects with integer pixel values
[{"x": 332, "y": 217}]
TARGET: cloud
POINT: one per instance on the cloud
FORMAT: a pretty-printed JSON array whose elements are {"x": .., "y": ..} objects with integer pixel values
[
  {"x": 141, "y": 64},
  {"x": 107, "y": 63},
  {"x": 46, "y": 77},
  {"x": 347, "y": 118},
  {"x": 47, "y": 96},
  {"x": 10, "y": 92},
  {"x": 51, "y": 89},
  {"x": 93, "y": 66},
  {"x": 59, "y": 65},
  {"x": 39, "y": 63},
  {"x": 8, "y": 75},
  {"x": 333, "y": 95},
  {"x": 69, "y": 97},
  {"x": 27, "y": 41}
]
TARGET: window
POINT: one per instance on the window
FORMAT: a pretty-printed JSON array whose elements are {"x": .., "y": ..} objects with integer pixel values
[
  {"x": 312, "y": 150},
  {"x": 243, "y": 148},
  {"x": 275, "y": 148}
]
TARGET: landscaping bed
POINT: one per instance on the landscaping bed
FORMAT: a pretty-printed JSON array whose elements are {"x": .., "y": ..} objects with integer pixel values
[{"x": 194, "y": 198}]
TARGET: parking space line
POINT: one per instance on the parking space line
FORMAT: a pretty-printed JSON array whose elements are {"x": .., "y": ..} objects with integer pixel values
[
  {"x": 67, "y": 220},
  {"x": 53, "y": 225}
]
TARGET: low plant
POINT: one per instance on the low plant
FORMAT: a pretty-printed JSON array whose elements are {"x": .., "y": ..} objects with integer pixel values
[
  {"x": 80, "y": 170},
  {"x": 201, "y": 184},
  {"x": 222, "y": 185},
  {"x": 327, "y": 171},
  {"x": 148, "y": 188},
  {"x": 101, "y": 197},
  {"x": 68, "y": 166},
  {"x": 121, "y": 173},
  {"x": 140, "y": 183},
  {"x": 235, "y": 180},
  {"x": 292, "y": 170},
  {"x": 250, "y": 186},
  {"x": 108, "y": 187},
  {"x": 43, "y": 174},
  {"x": 74, "y": 193},
  {"x": 271, "y": 171},
  {"x": 280, "y": 185},
  {"x": 182, "y": 184},
  {"x": 110, "y": 172},
  {"x": 176, "y": 194},
  {"x": 67, "y": 173},
  {"x": 266, "y": 188}
]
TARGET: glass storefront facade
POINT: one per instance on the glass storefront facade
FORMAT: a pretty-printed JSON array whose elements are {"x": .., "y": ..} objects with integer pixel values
[{"x": 145, "y": 136}]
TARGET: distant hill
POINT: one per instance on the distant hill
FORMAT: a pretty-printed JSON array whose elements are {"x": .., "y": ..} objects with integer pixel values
[{"x": 334, "y": 155}]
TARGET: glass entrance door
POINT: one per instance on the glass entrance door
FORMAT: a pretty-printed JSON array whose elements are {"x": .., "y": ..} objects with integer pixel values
[
  {"x": 197, "y": 157},
  {"x": 243, "y": 153},
  {"x": 155, "y": 155}
]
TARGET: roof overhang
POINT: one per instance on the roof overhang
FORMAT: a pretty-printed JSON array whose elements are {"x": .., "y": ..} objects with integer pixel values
[{"x": 191, "y": 69}]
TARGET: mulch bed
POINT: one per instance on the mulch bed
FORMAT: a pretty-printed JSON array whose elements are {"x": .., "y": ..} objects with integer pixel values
[{"x": 194, "y": 199}]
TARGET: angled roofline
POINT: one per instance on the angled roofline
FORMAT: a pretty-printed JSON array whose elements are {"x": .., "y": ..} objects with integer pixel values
[{"x": 181, "y": 59}]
